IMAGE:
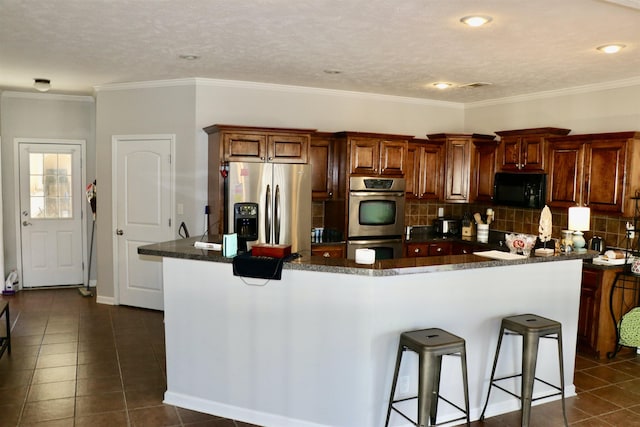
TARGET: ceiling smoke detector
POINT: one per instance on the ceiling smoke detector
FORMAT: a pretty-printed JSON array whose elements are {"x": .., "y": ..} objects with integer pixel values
[{"x": 42, "y": 85}]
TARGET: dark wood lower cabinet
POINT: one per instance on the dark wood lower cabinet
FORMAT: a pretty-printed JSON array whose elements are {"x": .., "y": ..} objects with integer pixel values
[{"x": 596, "y": 331}]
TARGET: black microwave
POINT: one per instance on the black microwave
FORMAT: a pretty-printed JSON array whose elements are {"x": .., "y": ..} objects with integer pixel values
[{"x": 525, "y": 190}]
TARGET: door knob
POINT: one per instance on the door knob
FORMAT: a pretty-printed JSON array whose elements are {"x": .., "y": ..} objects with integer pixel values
[
  {"x": 119, "y": 232},
  {"x": 26, "y": 223}
]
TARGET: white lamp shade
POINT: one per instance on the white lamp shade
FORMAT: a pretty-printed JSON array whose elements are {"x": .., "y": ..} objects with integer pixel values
[{"x": 579, "y": 218}]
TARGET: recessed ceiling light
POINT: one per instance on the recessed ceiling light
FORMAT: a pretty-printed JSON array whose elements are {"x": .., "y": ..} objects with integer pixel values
[
  {"x": 611, "y": 48},
  {"x": 476, "y": 20},
  {"x": 189, "y": 57},
  {"x": 442, "y": 85},
  {"x": 42, "y": 85}
]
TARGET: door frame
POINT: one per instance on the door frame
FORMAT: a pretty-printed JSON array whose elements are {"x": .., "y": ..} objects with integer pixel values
[
  {"x": 16, "y": 200},
  {"x": 115, "y": 139}
]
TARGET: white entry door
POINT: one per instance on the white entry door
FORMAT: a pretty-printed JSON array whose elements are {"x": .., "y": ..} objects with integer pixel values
[
  {"x": 51, "y": 200},
  {"x": 143, "y": 197}
]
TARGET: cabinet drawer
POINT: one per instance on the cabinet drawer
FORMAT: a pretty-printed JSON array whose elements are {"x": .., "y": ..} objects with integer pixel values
[{"x": 328, "y": 251}]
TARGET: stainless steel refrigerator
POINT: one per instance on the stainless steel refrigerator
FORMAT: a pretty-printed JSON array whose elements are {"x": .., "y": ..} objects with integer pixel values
[{"x": 282, "y": 195}]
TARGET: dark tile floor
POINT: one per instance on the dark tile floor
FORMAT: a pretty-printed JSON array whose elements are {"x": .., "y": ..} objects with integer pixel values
[{"x": 78, "y": 363}]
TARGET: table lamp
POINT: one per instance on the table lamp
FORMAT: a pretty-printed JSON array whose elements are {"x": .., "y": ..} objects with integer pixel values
[{"x": 579, "y": 218}]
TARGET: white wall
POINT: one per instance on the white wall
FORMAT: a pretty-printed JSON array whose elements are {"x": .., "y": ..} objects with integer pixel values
[
  {"x": 605, "y": 109},
  {"x": 46, "y": 116},
  {"x": 138, "y": 110}
]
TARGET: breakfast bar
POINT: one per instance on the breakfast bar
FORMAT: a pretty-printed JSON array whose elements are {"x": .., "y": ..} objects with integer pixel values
[{"x": 317, "y": 348}]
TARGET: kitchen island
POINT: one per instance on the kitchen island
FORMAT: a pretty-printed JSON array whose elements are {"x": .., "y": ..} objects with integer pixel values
[{"x": 317, "y": 348}]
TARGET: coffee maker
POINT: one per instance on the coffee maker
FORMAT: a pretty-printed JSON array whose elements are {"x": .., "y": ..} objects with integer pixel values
[{"x": 245, "y": 220}]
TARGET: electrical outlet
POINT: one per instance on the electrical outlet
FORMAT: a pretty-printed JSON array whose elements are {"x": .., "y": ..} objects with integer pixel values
[{"x": 630, "y": 230}]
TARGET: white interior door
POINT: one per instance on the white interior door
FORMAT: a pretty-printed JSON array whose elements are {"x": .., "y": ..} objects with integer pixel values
[
  {"x": 51, "y": 200},
  {"x": 143, "y": 194}
]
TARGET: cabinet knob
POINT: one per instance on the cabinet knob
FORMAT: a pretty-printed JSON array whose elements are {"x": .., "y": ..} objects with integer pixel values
[
  {"x": 326, "y": 255},
  {"x": 439, "y": 250},
  {"x": 330, "y": 194},
  {"x": 416, "y": 250},
  {"x": 261, "y": 158}
]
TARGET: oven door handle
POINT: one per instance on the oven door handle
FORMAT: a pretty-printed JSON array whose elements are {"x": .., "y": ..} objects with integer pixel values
[{"x": 376, "y": 194}]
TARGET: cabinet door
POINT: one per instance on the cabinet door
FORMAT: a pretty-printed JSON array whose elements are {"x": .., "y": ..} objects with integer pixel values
[
  {"x": 284, "y": 148},
  {"x": 392, "y": 155},
  {"x": 412, "y": 171},
  {"x": 320, "y": 159},
  {"x": 365, "y": 156},
  {"x": 604, "y": 175},
  {"x": 532, "y": 150},
  {"x": 564, "y": 186},
  {"x": 245, "y": 147},
  {"x": 510, "y": 153},
  {"x": 458, "y": 169},
  {"x": 588, "y": 316},
  {"x": 431, "y": 176},
  {"x": 484, "y": 172}
]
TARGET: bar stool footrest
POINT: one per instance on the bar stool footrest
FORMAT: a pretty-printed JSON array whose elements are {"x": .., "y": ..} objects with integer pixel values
[
  {"x": 533, "y": 399},
  {"x": 439, "y": 396}
]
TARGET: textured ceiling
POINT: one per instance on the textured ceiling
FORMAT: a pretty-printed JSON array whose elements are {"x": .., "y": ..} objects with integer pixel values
[{"x": 395, "y": 47}]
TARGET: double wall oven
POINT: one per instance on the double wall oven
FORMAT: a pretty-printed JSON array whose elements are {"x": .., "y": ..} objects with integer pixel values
[{"x": 376, "y": 216}]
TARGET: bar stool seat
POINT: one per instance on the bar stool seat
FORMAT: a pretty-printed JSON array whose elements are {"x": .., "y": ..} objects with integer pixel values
[
  {"x": 5, "y": 341},
  {"x": 430, "y": 345},
  {"x": 531, "y": 327}
]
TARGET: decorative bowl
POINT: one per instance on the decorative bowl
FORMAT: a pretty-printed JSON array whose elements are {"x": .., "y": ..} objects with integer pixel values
[{"x": 520, "y": 243}]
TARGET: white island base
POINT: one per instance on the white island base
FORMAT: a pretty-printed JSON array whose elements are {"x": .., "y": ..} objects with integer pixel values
[{"x": 318, "y": 349}]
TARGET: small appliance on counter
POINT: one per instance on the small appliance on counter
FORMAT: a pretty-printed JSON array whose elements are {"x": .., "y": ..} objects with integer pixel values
[{"x": 446, "y": 226}]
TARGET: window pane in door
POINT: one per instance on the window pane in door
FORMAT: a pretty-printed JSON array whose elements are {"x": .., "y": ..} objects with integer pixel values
[{"x": 50, "y": 185}]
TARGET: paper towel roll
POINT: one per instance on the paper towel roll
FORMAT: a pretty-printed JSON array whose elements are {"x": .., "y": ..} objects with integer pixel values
[{"x": 365, "y": 256}]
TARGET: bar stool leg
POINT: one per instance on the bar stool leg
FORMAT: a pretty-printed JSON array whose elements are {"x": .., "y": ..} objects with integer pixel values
[
  {"x": 465, "y": 383},
  {"x": 427, "y": 372},
  {"x": 437, "y": 362},
  {"x": 7, "y": 316},
  {"x": 529, "y": 359},
  {"x": 493, "y": 371},
  {"x": 561, "y": 362},
  {"x": 395, "y": 380}
]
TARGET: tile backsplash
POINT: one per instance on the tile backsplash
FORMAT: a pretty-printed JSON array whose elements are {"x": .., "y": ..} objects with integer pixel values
[{"x": 611, "y": 228}]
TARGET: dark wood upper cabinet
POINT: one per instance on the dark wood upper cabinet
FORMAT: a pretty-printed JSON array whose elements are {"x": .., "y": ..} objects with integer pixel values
[
  {"x": 424, "y": 169},
  {"x": 255, "y": 144},
  {"x": 321, "y": 161},
  {"x": 524, "y": 150},
  {"x": 377, "y": 154},
  {"x": 601, "y": 171},
  {"x": 460, "y": 157}
]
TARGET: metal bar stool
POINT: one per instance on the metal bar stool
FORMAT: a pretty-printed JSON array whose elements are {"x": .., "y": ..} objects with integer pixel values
[
  {"x": 5, "y": 341},
  {"x": 531, "y": 327},
  {"x": 430, "y": 345}
]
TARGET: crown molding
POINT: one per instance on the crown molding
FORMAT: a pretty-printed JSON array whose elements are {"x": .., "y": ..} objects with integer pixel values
[
  {"x": 145, "y": 85},
  {"x": 616, "y": 84},
  {"x": 47, "y": 96}
]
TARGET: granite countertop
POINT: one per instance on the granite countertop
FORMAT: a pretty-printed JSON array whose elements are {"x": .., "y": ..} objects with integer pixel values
[{"x": 184, "y": 249}]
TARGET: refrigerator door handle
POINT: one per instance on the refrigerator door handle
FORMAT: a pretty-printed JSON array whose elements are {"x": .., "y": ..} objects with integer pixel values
[
  {"x": 276, "y": 233},
  {"x": 267, "y": 218}
]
